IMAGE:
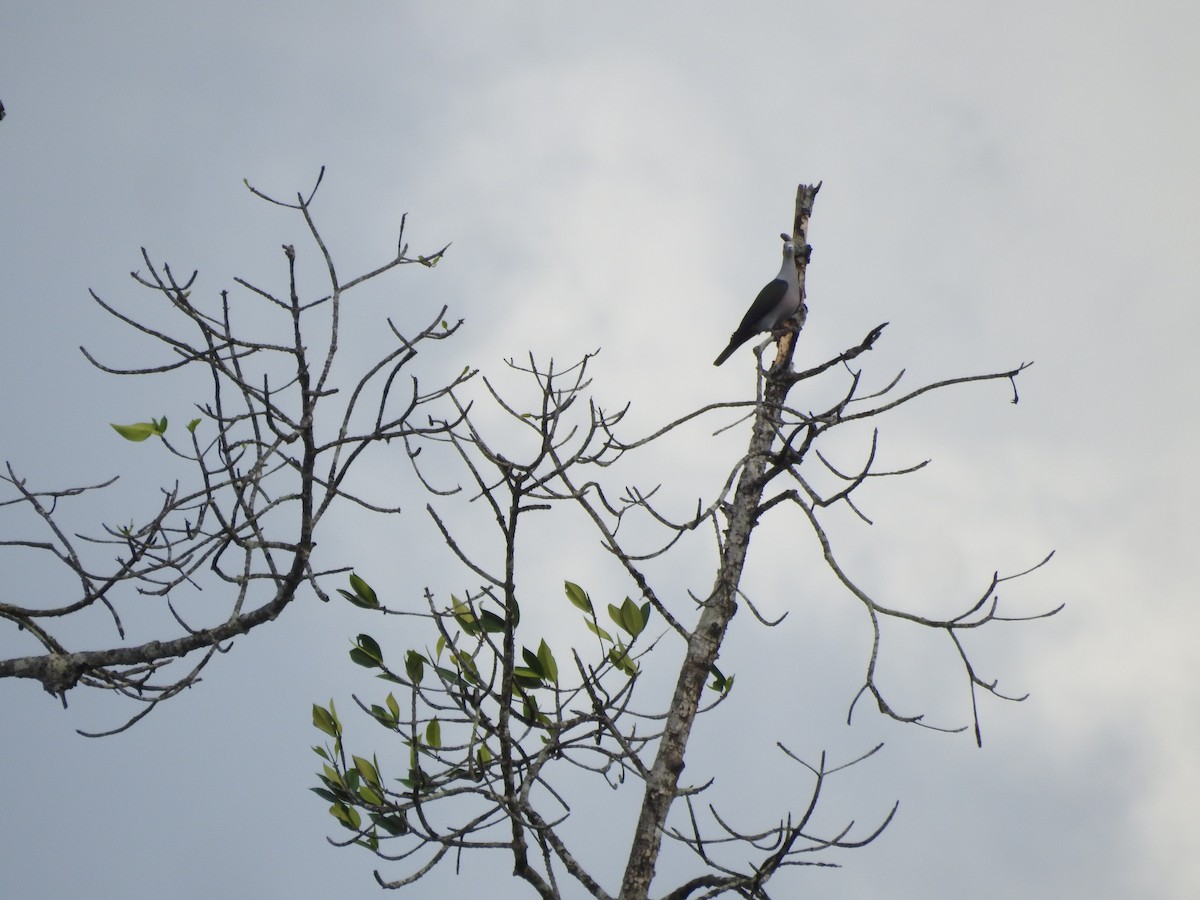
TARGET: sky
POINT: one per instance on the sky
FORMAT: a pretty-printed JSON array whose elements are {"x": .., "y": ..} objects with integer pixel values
[{"x": 1001, "y": 183}]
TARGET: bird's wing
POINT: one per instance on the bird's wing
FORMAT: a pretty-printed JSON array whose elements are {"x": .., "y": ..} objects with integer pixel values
[{"x": 760, "y": 316}]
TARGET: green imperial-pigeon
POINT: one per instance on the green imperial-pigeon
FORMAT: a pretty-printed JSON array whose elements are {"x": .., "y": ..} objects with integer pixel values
[{"x": 774, "y": 305}]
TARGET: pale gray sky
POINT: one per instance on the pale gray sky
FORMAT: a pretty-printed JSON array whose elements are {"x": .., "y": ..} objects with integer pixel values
[{"x": 1001, "y": 182}]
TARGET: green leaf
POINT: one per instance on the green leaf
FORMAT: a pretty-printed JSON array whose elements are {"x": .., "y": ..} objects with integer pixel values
[
  {"x": 532, "y": 713},
  {"x": 532, "y": 661},
  {"x": 529, "y": 706},
  {"x": 578, "y": 597},
  {"x": 414, "y": 666},
  {"x": 326, "y": 721},
  {"x": 360, "y": 593},
  {"x": 449, "y": 676},
  {"x": 191, "y": 426},
  {"x": 491, "y": 623},
  {"x": 393, "y": 825},
  {"x": 370, "y": 841},
  {"x": 619, "y": 657},
  {"x": 466, "y": 665},
  {"x": 367, "y": 652},
  {"x": 464, "y": 615},
  {"x": 484, "y": 755},
  {"x": 433, "y": 734},
  {"x": 720, "y": 683},
  {"x": 347, "y": 815},
  {"x": 383, "y": 716},
  {"x": 368, "y": 771},
  {"x": 393, "y": 706},
  {"x": 321, "y": 752},
  {"x": 549, "y": 665},
  {"x": 363, "y": 589},
  {"x": 527, "y": 678},
  {"x": 598, "y": 631},
  {"x": 629, "y": 616},
  {"x": 635, "y": 620},
  {"x": 138, "y": 431}
]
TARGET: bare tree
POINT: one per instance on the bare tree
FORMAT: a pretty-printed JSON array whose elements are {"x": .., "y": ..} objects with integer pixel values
[
  {"x": 269, "y": 452},
  {"x": 496, "y": 722}
]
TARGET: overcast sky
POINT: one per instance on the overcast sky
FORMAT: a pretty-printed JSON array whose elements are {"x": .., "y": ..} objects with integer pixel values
[{"x": 1002, "y": 183}]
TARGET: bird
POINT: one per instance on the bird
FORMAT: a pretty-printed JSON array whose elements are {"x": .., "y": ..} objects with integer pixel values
[{"x": 777, "y": 302}]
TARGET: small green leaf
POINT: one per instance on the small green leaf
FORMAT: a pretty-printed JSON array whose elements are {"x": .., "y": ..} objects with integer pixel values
[
  {"x": 368, "y": 771},
  {"x": 628, "y": 616},
  {"x": 414, "y": 666},
  {"x": 720, "y": 683},
  {"x": 466, "y": 665},
  {"x": 367, "y": 653},
  {"x": 326, "y": 721},
  {"x": 578, "y": 597},
  {"x": 191, "y": 426},
  {"x": 634, "y": 616},
  {"x": 526, "y": 677},
  {"x": 465, "y": 616},
  {"x": 491, "y": 623},
  {"x": 484, "y": 755},
  {"x": 549, "y": 665},
  {"x": 370, "y": 841},
  {"x": 364, "y": 591},
  {"x": 433, "y": 734},
  {"x": 532, "y": 661},
  {"x": 383, "y": 716},
  {"x": 598, "y": 631},
  {"x": 529, "y": 706},
  {"x": 139, "y": 431},
  {"x": 449, "y": 676},
  {"x": 619, "y": 657},
  {"x": 347, "y": 815},
  {"x": 363, "y": 596},
  {"x": 393, "y": 825},
  {"x": 393, "y": 706},
  {"x": 360, "y": 594}
]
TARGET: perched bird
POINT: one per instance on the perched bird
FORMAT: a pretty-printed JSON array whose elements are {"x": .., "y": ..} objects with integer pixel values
[{"x": 774, "y": 305}]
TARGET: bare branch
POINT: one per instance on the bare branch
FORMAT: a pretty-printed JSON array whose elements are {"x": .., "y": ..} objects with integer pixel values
[{"x": 256, "y": 463}]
